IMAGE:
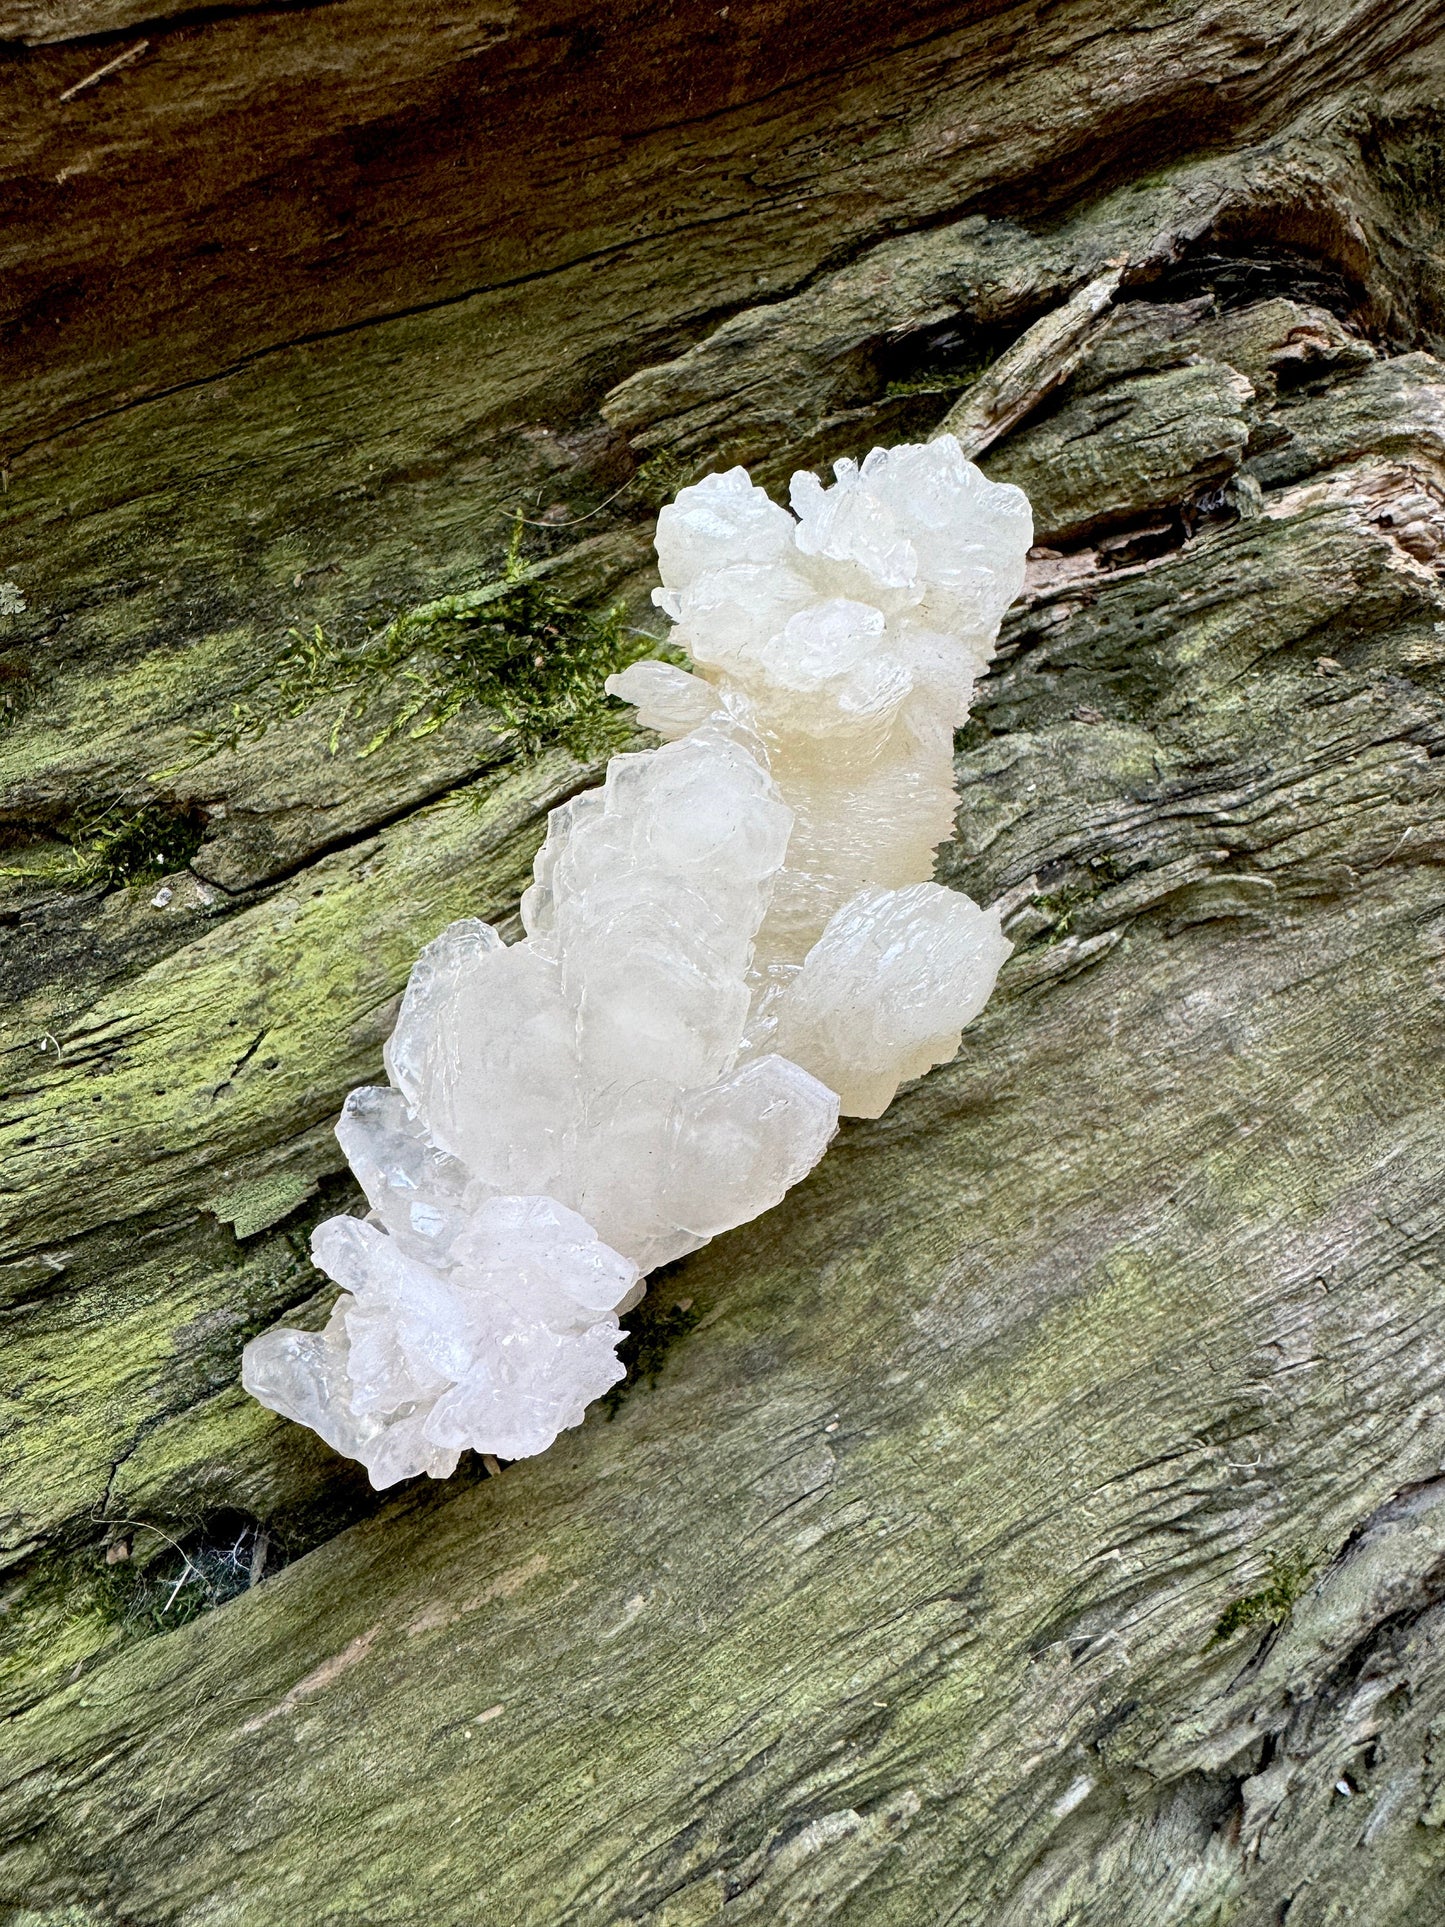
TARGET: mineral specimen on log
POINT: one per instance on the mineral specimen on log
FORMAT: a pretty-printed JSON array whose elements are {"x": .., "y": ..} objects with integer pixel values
[{"x": 731, "y": 940}]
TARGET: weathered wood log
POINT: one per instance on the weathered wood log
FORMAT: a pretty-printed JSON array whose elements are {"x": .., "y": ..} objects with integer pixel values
[{"x": 1040, "y": 1517}]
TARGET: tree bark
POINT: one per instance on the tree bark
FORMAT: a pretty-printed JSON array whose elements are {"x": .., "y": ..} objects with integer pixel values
[{"x": 1039, "y": 1518}]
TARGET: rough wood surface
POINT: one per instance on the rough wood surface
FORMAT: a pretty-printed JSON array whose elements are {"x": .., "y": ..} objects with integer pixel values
[{"x": 1040, "y": 1518}]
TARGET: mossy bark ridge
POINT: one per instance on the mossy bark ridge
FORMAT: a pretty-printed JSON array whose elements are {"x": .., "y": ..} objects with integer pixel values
[{"x": 1039, "y": 1518}]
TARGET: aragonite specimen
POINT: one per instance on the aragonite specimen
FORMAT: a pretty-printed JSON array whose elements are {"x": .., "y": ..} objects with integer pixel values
[{"x": 729, "y": 942}]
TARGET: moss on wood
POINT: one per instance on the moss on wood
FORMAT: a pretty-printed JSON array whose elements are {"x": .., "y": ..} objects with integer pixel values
[
  {"x": 1272, "y": 1603},
  {"x": 514, "y": 651}
]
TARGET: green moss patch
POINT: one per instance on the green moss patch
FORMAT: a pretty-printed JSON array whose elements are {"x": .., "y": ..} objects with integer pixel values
[
  {"x": 515, "y": 648},
  {"x": 115, "y": 846},
  {"x": 108, "y": 846},
  {"x": 1273, "y": 1602}
]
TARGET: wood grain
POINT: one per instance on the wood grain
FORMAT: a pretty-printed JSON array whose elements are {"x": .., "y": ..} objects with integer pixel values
[{"x": 1038, "y": 1518}]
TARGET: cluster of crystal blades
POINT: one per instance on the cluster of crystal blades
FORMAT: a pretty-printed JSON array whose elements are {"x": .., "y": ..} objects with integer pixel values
[{"x": 731, "y": 940}]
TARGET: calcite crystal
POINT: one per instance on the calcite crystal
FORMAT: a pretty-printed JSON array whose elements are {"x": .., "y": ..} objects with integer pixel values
[{"x": 729, "y": 942}]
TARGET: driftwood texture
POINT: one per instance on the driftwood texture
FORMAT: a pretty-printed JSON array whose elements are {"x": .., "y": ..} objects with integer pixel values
[{"x": 1039, "y": 1518}]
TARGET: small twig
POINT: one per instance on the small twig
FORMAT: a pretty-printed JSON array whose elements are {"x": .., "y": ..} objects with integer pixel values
[
  {"x": 144, "y": 1525},
  {"x": 516, "y": 515},
  {"x": 110, "y": 67},
  {"x": 188, "y": 1572},
  {"x": 1042, "y": 357}
]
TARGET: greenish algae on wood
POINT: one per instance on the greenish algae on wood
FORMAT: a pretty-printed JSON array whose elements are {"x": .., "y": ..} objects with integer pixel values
[
  {"x": 1026, "y": 1467},
  {"x": 894, "y": 1590}
]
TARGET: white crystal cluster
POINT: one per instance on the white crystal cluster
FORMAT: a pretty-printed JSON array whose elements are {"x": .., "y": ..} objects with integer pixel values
[{"x": 731, "y": 940}]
